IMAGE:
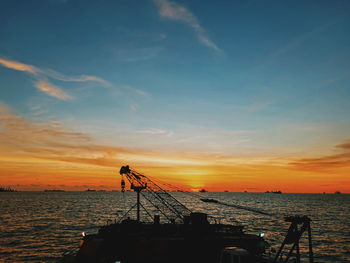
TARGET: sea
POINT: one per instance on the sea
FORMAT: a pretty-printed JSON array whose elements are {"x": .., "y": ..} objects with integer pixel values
[{"x": 42, "y": 226}]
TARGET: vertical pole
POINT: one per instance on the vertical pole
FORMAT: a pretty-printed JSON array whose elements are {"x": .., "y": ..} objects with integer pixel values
[
  {"x": 311, "y": 255},
  {"x": 138, "y": 205},
  {"x": 297, "y": 245}
]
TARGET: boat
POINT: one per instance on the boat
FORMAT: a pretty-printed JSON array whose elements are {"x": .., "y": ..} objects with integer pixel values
[
  {"x": 274, "y": 192},
  {"x": 7, "y": 189},
  {"x": 277, "y": 192},
  {"x": 177, "y": 234}
]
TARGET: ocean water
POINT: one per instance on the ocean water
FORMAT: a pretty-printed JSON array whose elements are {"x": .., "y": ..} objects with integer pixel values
[{"x": 41, "y": 226}]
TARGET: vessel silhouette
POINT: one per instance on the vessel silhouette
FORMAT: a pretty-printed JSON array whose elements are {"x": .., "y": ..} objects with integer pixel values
[{"x": 177, "y": 234}]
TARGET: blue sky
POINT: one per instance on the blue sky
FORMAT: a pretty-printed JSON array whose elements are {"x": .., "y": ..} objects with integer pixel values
[{"x": 233, "y": 77}]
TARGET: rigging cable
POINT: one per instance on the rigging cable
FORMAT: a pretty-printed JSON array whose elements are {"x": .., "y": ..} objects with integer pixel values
[{"x": 218, "y": 202}]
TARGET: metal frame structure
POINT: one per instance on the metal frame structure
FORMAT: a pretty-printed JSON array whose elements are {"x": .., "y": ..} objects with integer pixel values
[
  {"x": 165, "y": 203},
  {"x": 293, "y": 237}
]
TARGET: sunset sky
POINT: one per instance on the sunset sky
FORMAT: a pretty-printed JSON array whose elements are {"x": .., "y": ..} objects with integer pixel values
[{"x": 221, "y": 95}]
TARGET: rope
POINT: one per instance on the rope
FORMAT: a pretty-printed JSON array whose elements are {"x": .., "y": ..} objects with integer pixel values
[
  {"x": 177, "y": 188},
  {"x": 216, "y": 201},
  {"x": 123, "y": 216},
  {"x": 146, "y": 211},
  {"x": 246, "y": 208}
]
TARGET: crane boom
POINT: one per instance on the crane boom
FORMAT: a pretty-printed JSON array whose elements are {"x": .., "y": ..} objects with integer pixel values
[{"x": 167, "y": 205}]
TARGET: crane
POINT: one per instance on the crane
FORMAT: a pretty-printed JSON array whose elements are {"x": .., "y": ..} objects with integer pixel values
[{"x": 165, "y": 203}]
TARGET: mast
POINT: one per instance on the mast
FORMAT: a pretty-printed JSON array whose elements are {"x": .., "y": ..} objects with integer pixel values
[{"x": 138, "y": 190}]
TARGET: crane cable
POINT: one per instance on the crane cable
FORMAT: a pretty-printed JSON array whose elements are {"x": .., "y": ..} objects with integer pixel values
[
  {"x": 217, "y": 201},
  {"x": 206, "y": 200},
  {"x": 237, "y": 206}
]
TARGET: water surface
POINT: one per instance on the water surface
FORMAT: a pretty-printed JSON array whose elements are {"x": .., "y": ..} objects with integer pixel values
[{"x": 41, "y": 226}]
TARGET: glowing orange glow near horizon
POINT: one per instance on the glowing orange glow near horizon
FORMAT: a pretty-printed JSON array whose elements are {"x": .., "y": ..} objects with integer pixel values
[
  {"x": 27, "y": 173},
  {"x": 37, "y": 156}
]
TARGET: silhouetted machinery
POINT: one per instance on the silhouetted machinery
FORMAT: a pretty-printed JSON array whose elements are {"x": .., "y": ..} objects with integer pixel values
[
  {"x": 293, "y": 237},
  {"x": 165, "y": 203},
  {"x": 185, "y": 237}
]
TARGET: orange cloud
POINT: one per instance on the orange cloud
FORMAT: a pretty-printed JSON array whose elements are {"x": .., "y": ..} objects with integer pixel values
[
  {"x": 18, "y": 66},
  {"x": 20, "y": 135},
  {"x": 345, "y": 145},
  {"x": 52, "y": 90},
  {"x": 326, "y": 163},
  {"x": 16, "y": 130}
]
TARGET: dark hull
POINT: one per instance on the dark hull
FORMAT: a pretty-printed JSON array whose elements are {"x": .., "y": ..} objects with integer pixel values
[{"x": 135, "y": 242}]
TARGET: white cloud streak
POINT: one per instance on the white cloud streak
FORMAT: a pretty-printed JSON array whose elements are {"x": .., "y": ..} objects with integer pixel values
[
  {"x": 155, "y": 131},
  {"x": 174, "y": 11},
  {"x": 133, "y": 107},
  {"x": 52, "y": 90},
  {"x": 81, "y": 78},
  {"x": 297, "y": 41}
]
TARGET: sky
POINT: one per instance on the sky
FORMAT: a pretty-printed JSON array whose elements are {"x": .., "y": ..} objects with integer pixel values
[{"x": 222, "y": 95}]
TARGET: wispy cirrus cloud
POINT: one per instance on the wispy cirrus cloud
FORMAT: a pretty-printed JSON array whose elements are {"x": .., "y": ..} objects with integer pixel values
[
  {"x": 155, "y": 131},
  {"x": 138, "y": 54},
  {"x": 174, "y": 11},
  {"x": 82, "y": 78},
  {"x": 133, "y": 90},
  {"x": 52, "y": 90},
  {"x": 133, "y": 107},
  {"x": 43, "y": 84},
  {"x": 19, "y": 66},
  {"x": 299, "y": 40}
]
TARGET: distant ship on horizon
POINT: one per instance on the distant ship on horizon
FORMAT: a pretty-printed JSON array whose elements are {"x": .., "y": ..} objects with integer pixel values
[
  {"x": 7, "y": 189},
  {"x": 274, "y": 192}
]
